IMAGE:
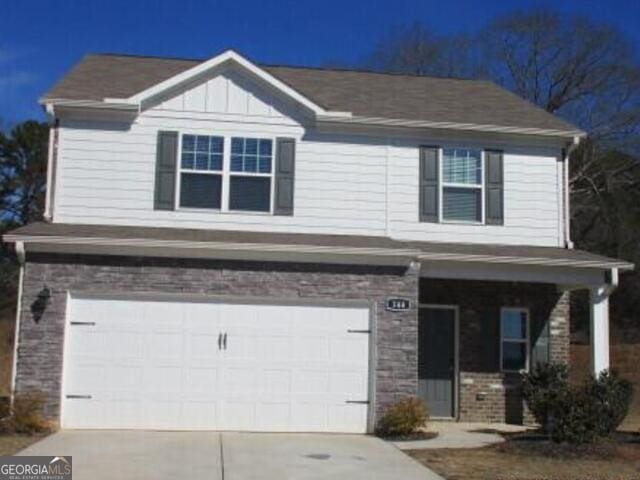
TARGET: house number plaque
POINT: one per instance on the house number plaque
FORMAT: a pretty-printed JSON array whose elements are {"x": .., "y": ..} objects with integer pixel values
[{"x": 398, "y": 304}]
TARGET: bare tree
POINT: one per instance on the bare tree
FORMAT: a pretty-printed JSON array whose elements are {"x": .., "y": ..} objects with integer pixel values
[
  {"x": 417, "y": 50},
  {"x": 583, "y": 70}
]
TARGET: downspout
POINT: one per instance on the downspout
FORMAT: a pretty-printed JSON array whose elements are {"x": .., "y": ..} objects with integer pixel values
[
  {"x": 599, "y": 322},
  {"x": 20, "y": 253},
  {"x": 51, "y": 169},
  {"x": 567, "y": 211}
]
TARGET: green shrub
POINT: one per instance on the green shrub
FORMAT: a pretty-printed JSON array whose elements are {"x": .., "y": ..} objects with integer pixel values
[
  {"x": 576, "y": 414},
  {"x": 544, "y": 387},
  {"x": 614, "y": 394},
  {"x": 574, "y": 417},
  {"x": 27, "y": 415},
  {"x": 404, "y": 417}
]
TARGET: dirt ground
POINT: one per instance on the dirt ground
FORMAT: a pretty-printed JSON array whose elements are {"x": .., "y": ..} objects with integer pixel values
[
  {"x": 10, "y": 444},
  {"x": 620, "y": 461}
]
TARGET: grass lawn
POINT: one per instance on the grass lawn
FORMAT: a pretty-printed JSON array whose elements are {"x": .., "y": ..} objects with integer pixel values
[
  {"x": 530, "y": 458},
  {"x": 10, "y": 444}
]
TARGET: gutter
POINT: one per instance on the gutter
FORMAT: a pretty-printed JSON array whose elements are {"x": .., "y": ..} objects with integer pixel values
[
  {"x": 398, "y": 122},
  {"x": 420, "y": 255}
]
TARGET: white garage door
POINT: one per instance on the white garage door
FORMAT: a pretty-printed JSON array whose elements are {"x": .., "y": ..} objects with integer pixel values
[{"x": 215, "y": 366}]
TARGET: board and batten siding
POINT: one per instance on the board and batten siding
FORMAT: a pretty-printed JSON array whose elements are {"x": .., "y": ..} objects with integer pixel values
[{"x": 344, "y": 184}]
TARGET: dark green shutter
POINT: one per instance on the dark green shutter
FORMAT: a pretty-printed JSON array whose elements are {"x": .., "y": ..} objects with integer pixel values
[
  {"x": 490, "y": 339},
  {"x": 540, "y": 345},
  {"x": 429, "y": 184},
  {"x": 494, "y": 189},
  {"x": 285, "y": 175},
  {"x": 166, "y": 164}
]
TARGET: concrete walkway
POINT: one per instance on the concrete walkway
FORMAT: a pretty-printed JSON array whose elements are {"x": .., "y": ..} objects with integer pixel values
[
  {"x": 153, "y": 455},
  {"x": 461, "y": 435}
]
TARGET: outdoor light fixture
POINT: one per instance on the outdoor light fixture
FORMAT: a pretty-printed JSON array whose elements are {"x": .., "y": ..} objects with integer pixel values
[{"x": 40, "y": 304}]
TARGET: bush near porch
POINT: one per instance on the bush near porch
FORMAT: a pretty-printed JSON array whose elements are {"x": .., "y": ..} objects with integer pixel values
[
  {"x": 625, "y": 358},
  {"x": 576, "y": 413}
]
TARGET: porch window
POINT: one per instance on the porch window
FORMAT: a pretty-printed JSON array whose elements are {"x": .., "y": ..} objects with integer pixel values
[
  {"x": 462, "y": 185},
  {"x": 514, "y": 339}
]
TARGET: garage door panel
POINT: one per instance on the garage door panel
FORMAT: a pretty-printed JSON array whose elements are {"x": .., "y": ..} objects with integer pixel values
[{"x": 155, "y": 364}]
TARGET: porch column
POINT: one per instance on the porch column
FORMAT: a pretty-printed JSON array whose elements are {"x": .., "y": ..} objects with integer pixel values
[{"x": 599, "y": 331}]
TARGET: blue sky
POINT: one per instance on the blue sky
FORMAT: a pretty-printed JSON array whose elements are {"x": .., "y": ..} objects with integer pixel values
[{"x": 40, "y": 40}]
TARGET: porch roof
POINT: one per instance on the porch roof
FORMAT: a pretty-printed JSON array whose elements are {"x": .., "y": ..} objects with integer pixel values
[{"x": 42, "y": 233}]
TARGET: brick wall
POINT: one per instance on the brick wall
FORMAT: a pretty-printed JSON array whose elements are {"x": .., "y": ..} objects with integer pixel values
[
  {"x": 486, "y": 393},
  {"x": 41, "y": 333}
]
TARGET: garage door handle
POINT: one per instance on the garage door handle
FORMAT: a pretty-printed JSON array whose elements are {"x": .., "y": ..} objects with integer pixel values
[
  {"x": 83, "y": 397},
  {"x": 220, "y": 341},
  {"x": 224, "y": 340},
  {"x": 359, "y": 402}
]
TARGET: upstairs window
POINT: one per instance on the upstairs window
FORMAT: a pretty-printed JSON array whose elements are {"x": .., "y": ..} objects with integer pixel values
[
  {"x": 201, "y": 163},
  {"x": 462, "y": 185},
  {"x": 251, "y": 174},
  {"x": 514, "y": 338}
]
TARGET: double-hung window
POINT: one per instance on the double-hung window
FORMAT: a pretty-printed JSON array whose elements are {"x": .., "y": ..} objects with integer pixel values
[
  {"x": 250, "y": 174},
  {"x": 201, "y": 163},
  {"x": 462, "y": 185},
  {"x": 514, "y": 338},
  {"x": 213, "y": 178}
]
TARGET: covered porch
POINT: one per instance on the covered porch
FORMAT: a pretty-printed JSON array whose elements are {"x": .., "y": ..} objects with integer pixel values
[{"x": 481, "y": 323}]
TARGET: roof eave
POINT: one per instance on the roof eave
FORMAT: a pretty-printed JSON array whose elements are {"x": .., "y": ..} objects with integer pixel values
[
  {"x": 599, "y": 264},
  {"x": 425, "y": 124}
]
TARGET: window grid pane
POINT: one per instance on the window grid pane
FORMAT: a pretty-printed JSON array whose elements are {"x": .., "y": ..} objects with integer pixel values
[
  {"x": 461, "y": 204},
  {"x": 514, "y": 355},
  {"x": 514, "y": 325},
  {"x": 251, "y": 155},
  {"x": 250, "y": 193},
  {"x": 462, "y": 166},
  {"x": 202, "y": 152}
]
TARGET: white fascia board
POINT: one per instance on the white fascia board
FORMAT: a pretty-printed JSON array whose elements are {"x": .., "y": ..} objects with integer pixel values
[
  {"x": 399, "y": 122},
  {"x": 264, "y": 247},
  {"x": 50, "y": 103},
  {"x": 228, "y": 56},
  {"x": 517, "y": 260}
]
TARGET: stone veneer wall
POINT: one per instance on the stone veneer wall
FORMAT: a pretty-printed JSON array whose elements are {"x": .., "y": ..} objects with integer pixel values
[
  {"x": 41, "y": 333},
  {"x": 487, "y": 394}
]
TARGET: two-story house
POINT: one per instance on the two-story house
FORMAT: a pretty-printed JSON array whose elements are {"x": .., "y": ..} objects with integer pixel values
[{"x": 237, "y": 246}]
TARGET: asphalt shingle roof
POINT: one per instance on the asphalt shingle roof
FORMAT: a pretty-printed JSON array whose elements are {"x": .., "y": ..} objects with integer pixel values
[{"x": 366, "y": 94}]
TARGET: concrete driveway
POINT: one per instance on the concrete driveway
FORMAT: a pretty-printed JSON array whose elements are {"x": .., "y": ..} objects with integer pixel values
[{"x": 143, "y": 455}]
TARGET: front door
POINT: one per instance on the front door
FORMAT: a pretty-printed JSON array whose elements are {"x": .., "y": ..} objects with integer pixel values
[{"x": 436, "y": 359}]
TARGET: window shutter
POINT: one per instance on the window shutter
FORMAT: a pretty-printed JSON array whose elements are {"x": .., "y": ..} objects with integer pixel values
[
  {"x": 166, "y": 164},
  {"x": 494, "y": 190},
  {"x": 540, "y": 345},
  {"x": 490, "y": 340},
  {"x": 284, "y": 178},
  {"x": 429, "y": 184}
]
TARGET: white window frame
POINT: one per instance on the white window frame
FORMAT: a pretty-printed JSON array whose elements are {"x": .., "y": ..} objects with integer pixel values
[
  {"x": 270, "y": 175},
  {"x": 226, "y": 174},
  {"x": 442, "y": 185},
  {"x": 513, "y": 340}
]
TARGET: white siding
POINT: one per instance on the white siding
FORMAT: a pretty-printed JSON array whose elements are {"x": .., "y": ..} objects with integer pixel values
[
  {"x": 531, "y": 200},
  {"x": 345, "y": 184}
]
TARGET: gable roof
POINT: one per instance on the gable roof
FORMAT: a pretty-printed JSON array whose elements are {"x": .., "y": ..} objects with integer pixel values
[{"x": 443, "y": 102}]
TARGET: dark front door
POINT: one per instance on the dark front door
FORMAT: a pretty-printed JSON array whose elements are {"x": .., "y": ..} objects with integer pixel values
[{"x": 436, "y": 359}]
